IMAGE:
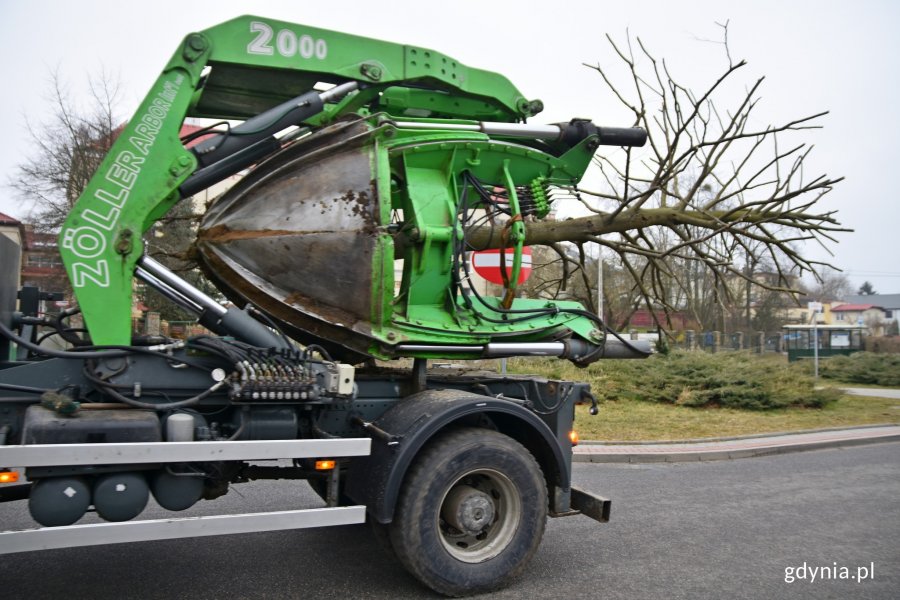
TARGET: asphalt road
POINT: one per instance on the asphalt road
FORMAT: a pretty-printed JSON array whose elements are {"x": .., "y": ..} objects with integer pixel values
[{"x": 725, "y": 529}]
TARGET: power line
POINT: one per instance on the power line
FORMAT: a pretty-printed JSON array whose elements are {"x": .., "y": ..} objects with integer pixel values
[{"x": 873, "y": 273}]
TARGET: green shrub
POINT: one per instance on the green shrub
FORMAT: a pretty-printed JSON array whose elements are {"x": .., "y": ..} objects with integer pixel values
[
  {"x": 734, "y": 380},
  {"x": 863, "y": 367}
]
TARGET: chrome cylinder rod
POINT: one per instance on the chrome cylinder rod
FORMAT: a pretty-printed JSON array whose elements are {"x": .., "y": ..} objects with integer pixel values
[
  {"x": 167, "y": 291},
  {"x": 574, "y": 348},
  {"x": 339, "y": 91},
  {"x": 159, "y": 273},
  {"x": 522, "y": 130},
  {"x": 568, "y": 134},
  {"x": 491, "y": 350}
]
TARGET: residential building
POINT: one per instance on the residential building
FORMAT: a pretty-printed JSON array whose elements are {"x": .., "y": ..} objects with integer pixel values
[
  {"x": 643, "y": 319},
  {"x": 890, "y": 303},
  {"x": 42, "y": 265},
  {"x": 870, "y": 315},
  {"x": 800, "y": 315},
  {"x": 12, "y": 228}
]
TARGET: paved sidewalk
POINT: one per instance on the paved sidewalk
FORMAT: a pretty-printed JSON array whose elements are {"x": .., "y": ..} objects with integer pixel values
[
  {"x": 725, "y": 449},
  {"x": 874, "y": 392}
]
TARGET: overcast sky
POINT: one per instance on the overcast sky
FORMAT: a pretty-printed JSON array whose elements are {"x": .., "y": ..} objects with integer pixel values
[{"x": 838, "y": 56}]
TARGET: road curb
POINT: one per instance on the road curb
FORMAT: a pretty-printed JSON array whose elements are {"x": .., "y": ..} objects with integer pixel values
[
  {"x": 734, "y": 448},
  {"x": 749, "y": 436}
]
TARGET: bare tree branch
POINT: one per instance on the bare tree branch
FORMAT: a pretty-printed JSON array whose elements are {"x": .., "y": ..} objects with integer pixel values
[
  {"x": 710, "y": 199},
  {"x": 69, "y": 147}
]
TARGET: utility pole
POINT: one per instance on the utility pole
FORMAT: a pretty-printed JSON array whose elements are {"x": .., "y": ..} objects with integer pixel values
[
  {"x": 814, "y": 309},
  {"x": 600, "y": 285}
]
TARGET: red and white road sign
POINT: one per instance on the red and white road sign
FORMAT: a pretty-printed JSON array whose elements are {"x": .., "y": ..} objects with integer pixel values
[{"x": 487, "y": 264}]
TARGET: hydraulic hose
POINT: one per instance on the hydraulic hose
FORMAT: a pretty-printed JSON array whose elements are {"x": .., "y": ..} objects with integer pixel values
[
  {"x": 109, "y": 388},
  {"x": 114, "y": 352}
]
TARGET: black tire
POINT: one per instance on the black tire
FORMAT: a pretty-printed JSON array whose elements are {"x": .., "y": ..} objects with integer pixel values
[{"x": 471, "y": 513}]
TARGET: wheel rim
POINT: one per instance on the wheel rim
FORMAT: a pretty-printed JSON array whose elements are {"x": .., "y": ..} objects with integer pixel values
[{"x": 479, "y": 515}]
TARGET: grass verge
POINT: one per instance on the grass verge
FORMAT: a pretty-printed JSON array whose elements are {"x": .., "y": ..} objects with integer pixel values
[
  {"x": 695, "y": 395},
  {"x": 637, "y": 420}
]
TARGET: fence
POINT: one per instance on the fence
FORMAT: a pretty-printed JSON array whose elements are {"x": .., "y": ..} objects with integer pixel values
[{"x": 717, "y": 341}]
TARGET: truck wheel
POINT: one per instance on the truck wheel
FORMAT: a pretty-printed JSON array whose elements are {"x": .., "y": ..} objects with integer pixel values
[{"x": 471, "y": 513}]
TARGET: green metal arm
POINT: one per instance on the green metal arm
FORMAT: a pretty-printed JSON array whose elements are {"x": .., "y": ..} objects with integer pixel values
[
  {"x": 303, "y": 55},
  {"x": 255, "y": 64}
]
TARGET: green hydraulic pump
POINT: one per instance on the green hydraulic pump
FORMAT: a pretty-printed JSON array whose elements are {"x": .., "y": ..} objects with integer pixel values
[{"x": 363, "y": 168}]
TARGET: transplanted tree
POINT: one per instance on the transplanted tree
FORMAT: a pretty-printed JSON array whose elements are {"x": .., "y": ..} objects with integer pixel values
[{"x": 711, "y": 189}]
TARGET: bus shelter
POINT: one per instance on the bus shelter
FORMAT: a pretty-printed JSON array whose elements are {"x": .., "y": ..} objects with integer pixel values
[{"x": 833, "y": 340}]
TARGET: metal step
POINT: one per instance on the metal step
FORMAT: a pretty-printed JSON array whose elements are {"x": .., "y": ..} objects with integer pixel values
[
  {"x": 69, "y": 536},
  {"x": 49, "y": 455},
  {"x": 56, "y": 455}
]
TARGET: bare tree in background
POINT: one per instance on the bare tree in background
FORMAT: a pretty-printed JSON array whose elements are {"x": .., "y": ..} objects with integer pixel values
[
  {"x": 831, "y": 285},
  {"x": 69, "y": 146},
  {"x": 710, "y": 194}
]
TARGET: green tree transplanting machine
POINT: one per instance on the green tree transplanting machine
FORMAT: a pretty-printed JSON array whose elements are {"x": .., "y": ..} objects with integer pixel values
[{"x": 355, "y": 155}]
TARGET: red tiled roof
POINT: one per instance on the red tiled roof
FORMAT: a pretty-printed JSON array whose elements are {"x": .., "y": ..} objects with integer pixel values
[
  {"x": 186, "y": 129},
  {"x": 643, "y": 318},
  {"x": 5, "y": 219},
  {"x": 853, "y": 307}
]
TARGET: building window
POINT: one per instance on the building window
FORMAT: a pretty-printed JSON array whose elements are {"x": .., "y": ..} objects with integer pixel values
[
  {"x": 43, "y": 260},
  {"x": 839, "y": 317},
  {"x": 888, "y": 314}
]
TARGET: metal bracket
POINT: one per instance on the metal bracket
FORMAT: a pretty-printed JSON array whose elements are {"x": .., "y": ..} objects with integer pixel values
[
  {"x": 591, "y": 505},
  {"x": 419, "y": 375}
]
